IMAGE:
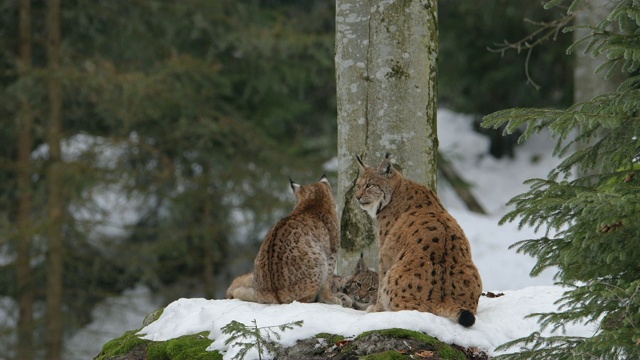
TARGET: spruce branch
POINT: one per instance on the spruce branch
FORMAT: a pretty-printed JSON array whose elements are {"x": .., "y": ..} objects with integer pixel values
[{"x": 249, "y": 337}]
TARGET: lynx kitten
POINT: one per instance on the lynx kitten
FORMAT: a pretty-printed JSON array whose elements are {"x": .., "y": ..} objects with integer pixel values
[
  {"x": 362, "y": 286},
  {"x": 298, "y": 255},
  {"x": 425, "y": 257}
]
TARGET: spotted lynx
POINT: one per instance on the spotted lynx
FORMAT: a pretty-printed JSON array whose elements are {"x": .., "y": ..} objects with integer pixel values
[
  {"x": 242, "y": 288},
  {"x": 298, "y": 255},
  {"x": 425, "y": 257},
  {"x": 362, "y": 286}
]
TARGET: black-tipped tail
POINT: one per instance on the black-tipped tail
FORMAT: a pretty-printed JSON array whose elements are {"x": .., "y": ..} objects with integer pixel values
[{"x": 466, "y": 318}]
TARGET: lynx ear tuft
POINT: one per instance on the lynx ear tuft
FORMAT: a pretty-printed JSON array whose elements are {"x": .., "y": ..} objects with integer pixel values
[
  {"x": 294, "y": 186},
  {"x": 386, "y": 168},
  {"x": 361, "y": 266}
]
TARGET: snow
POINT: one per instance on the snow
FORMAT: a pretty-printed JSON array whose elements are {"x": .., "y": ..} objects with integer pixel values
[{"x": 498, "y": 320}]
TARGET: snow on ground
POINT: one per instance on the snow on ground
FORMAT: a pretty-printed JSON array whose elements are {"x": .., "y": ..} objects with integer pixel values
[{"x": 499, "y": 319}]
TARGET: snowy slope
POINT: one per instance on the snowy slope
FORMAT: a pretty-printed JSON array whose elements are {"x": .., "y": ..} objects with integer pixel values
[{"x": 499, "y": 319}]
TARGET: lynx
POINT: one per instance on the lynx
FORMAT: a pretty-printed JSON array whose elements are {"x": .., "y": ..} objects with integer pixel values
[
  {"x": 298, "y": 255},
  {"x": 242, "y": 288},
  {"x": 362, "y": 286},
  {"x": 425, "y": 257}
]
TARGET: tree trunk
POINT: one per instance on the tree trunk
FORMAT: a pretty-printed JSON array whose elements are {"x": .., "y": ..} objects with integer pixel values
[
  {"x": 23, "y": 249},
  {"x": 55, "y": 206},
  {"x": 209, "y": 237},
  {"x": 386, "y": 54},
  {"x": 587, "y": 84}
]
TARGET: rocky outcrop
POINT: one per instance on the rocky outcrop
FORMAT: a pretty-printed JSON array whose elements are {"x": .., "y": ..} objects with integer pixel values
[{"x": 380, "y": 344}]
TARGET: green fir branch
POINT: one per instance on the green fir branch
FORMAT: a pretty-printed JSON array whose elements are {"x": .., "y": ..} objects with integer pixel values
[{"x": 248, "y": 337}]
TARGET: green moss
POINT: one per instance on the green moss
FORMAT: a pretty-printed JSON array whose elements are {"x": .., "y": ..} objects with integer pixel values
[
  {"x": 152, "y": 316},
  {"x": 356, "y": 227},
  {"x": 189, "y": 347},
  {"x": 330, "y": 338},
  {"x": 121, "y": 345},
  {"x": 445, "y": 351},
  {"x": 387, "y": 355}
]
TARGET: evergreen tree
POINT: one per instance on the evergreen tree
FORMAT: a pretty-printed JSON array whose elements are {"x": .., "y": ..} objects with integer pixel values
[
  {"x": 589, "y": 204},
  {"x": 194, "y": 111}
]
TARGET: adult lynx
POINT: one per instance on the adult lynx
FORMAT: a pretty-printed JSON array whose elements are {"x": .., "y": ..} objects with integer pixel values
[
  {"x": 298, "y": 255},
  {"x": 425, "y": 257}
]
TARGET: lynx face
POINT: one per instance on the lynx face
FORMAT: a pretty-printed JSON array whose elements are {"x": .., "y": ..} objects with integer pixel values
[
  {"x": 373, "y": 190},
  {"x": 425, "y": 257},
  {"x": 363, "y": 289}
]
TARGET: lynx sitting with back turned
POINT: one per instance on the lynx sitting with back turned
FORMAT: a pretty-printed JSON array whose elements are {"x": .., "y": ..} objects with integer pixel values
[
  {"x": 298, "y": 255},
  {"x": 425, "y": 257}
]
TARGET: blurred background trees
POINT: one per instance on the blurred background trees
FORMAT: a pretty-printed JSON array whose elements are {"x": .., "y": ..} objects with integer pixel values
[{"x": 179, "y": 123}]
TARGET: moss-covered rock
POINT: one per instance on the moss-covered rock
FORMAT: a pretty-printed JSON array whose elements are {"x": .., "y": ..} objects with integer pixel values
[
  {"x": 130, "y": 347},
  {"x": 117, "y": 348},
  {"x": 389, "y": 344}
]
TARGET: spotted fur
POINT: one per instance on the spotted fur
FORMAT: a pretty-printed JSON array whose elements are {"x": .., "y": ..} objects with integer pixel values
[
  {"x": 298, "y": 255},
  {"x": 362, "y": 286},
  {"x": 425, "y": 257}
]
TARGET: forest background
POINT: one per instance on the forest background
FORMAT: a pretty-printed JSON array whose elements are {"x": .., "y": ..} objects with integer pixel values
[{"x": 195, "y": 112}]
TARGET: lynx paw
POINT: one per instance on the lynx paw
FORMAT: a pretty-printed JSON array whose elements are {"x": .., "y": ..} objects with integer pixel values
[{"x": 346, "y": 300}]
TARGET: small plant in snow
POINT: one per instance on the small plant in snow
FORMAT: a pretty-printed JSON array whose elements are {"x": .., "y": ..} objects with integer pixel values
[{"x": 248, "y": 337}]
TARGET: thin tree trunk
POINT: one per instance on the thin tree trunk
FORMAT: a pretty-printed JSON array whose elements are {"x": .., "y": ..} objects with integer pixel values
[
  {"x": 460, "y": 186},
  {"x": 23, "y": 266},
  {"x": 586, "y": 83},
  {"x": 386, "y": 54},
  {"x": 55, "y": 206},
  {"x": 208, "y": 239}
]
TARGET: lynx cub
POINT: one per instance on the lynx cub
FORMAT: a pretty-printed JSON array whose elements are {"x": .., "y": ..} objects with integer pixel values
[
  {"x": 362, "y": 286},
  {"x": 298, "y": 255},
  {"x": 425, "y": 258}
]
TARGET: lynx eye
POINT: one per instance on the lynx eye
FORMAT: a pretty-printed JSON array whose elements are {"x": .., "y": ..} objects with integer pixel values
[
  {"x": 369, "y": 186},
  {"x": 359, "y": 285},
  {"x": 373, "y": 289}
]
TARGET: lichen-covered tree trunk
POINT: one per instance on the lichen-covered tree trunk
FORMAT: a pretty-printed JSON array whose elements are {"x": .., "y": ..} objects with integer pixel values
[{"x": 386, "y": 54}]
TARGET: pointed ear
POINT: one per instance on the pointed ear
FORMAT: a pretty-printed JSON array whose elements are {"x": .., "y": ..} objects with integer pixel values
[
  {"x": 361, "y": 266},
  {"x": 361, "y": 164},
  {"x": 386, "y": 168},
  {"x": 324, "y": 179},
  {"x": 294, "y": 186}
]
